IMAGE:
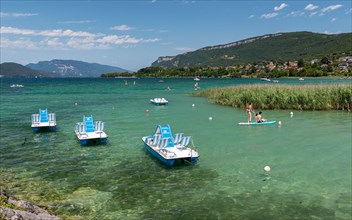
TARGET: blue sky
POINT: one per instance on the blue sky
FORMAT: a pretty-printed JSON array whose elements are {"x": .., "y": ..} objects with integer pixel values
[{"x": 133, "y": 34}]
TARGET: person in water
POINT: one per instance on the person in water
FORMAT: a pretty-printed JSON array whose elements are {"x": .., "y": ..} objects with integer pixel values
[
  {"x": 249, "y": 110},
  {"x": 196, "y": 86}
]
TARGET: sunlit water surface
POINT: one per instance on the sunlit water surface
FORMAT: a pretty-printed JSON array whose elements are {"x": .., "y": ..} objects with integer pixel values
[{"x": 309, "y": 155}]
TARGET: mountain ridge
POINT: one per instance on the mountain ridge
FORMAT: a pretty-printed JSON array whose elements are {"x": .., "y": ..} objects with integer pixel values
[
  {"x": 73, "y": 68},
  {"x": 279, "y": 46}
]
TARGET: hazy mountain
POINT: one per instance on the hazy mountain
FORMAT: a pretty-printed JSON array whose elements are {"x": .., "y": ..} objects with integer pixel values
[
  {"x": 280, "y": 46},
  {"x": 18, "y": 70},
  {"x": 73, "y": 68}
]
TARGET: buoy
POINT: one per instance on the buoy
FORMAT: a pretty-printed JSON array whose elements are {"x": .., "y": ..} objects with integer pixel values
[
  {"x": 76, "y": 103},
  {"x": 147, "y": 111},
  {"x": 267, "y": 170},
  {"x": 210, "y": 118},
  {"x": 291, "y": 113},
  {"x": 280, "y": 123},
  {"x": 193, "y": 105}
]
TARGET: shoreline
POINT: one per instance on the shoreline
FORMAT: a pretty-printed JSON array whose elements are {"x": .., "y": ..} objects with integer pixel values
[{"x": 12, "y": 208}]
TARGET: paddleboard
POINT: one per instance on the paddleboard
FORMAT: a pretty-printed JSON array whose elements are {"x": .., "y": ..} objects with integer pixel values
[{"x": 256, "y": 123}]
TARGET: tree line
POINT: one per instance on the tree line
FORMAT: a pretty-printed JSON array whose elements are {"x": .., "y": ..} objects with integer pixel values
[{"x": 270, "y": 69}]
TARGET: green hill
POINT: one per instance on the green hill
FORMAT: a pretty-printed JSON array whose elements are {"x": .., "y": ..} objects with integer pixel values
[
  {"x": 18, "y": 70},
  {"x": 278, "y": 47}
]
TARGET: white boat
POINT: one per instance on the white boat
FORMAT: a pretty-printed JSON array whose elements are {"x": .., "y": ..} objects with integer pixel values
[
  {"x": 265, "y": 79},
  {"x": 88, "y": 130},
  {"x": 43, "y": 120},
  {"x": 196, "y": 79},
  {"x": 275, "y": 81},
  {"x": 17, "y": 86},
  {"x": 168, "y": 148},
  {"x": 159, "y": 101},
  {"x": 300, "y": 79}
]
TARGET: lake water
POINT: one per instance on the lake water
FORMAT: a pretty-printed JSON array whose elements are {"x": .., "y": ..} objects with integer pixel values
[{"x": 309, "y": 155}]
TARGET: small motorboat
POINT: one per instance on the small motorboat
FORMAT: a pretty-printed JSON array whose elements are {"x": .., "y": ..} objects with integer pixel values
[
  {"x": 168, "y": 148},
  {"x": 43, "y": 120},
  {"x": 91, "y": 131},
  {"x": 159, "y": 101}
]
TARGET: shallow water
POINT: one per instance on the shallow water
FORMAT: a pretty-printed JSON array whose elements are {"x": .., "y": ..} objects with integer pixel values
[{"x": 309, "y": 155}]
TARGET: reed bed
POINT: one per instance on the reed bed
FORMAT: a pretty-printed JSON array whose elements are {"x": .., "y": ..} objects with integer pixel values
[{"x": 296, "y": 97}]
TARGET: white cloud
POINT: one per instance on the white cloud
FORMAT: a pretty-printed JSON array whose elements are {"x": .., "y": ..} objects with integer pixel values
[
  {"x": 53, "y": 42},
  {"x": 4, "y": 14},
  {"x": 66, "y": 39},
  {"x": 333, "y": 19},
  {"x": 311, "y": 7},
  {"x": 329, "y": 32},
  {"x": 48, "y": 33},
  {"x": 76, "y": 22},
  {"x": 121, "y": 28},
  {"x": 251, "y": 16},
  {"x": 18, "y": 43},
  {"x": 184, "y": 49},
  {"x": 280, "y": 7},
  {"x": 269, "y": 15},
  {"x": 331, "y": 8},
  {"x": 295, "y": 14},
  {"x": 313, "y": 13}
]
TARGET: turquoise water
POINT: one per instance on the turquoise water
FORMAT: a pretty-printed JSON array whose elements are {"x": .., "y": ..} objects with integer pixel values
[{"x": 309, "y": 155}]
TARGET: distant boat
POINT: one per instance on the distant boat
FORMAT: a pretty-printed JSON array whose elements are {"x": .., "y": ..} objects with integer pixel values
[
  {"x": 275, "y": 81},
  {"x": 17, "y": 86},
  {"x": 300, "y": 79},
  {"x": 88, "y": 130},
  {"x": 43, "y": 120},
  {"x": 168, "y": 148},
  {"x": 159, "y": 101},
  {"x": 265, "y": 79},
  {"x": 196, "y": 79}
]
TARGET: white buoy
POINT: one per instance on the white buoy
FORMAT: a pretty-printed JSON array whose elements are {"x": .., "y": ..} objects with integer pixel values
[
  {"x": 76, "y": 104},
  {"x": 267, "y": 170},
  {"x": 193, "y": 105},
  {"x": 280, "y": 123},
  {"x": 210, "y": 118},
  {"x": 291, "y": 113}
]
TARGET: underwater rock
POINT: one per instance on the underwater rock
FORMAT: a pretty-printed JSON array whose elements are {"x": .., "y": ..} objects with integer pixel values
[{"x": 12, "y": 209}]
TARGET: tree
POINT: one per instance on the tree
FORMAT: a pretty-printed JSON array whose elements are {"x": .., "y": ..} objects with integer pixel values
[
  {"x": 300, "y": 63},
  {"x": 324, "y": 60}
]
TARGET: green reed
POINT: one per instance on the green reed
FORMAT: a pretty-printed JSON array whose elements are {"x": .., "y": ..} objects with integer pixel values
[{"x": 300, "y": 97}]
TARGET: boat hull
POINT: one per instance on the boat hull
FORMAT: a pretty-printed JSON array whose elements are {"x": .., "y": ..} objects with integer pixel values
[
  {"x": 47, "y": 128},
  {"x": 159, "y": 103},
  {"x": 169, "y": 162}
]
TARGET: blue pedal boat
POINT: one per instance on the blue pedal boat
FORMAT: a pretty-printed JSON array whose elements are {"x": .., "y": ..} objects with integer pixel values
[
  {"x": 168, "y": 148},
  {"x": 43, "y": 120},
  {"x": 90, "y": 131}
]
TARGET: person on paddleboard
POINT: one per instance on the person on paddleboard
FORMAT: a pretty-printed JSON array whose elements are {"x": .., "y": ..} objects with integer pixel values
[
  {"x": 258, "y": 118},
  {"x": 249, "y": 110}
]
